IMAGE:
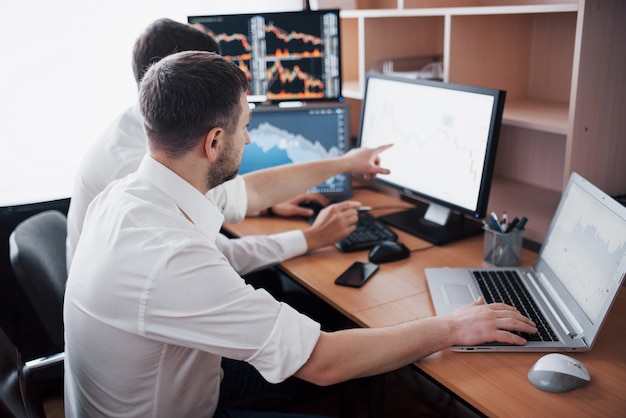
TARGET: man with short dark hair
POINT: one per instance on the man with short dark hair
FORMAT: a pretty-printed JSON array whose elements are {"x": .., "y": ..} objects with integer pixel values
[{"x": 152, "y": 305}]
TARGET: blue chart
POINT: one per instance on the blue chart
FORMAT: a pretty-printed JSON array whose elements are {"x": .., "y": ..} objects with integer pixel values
[{"x": 279, "y": 138}]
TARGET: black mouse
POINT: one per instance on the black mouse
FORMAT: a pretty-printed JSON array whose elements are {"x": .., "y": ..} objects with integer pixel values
[
  {"x": 387, "y": 251},
  {"x": 313, "y": 205}
]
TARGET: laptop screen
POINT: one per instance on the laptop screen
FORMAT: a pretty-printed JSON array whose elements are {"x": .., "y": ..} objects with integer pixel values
[
  {"x": 586, "y": 246},
  {"x": 283, "y": 135}
]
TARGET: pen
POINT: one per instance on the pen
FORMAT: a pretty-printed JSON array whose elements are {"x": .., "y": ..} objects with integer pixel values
[
  {"x": 522, "y": 223},
  {"x": 493, "y": 218},
  {"x": 512, "y": 225},
  {"x": 504, "y": 221}
]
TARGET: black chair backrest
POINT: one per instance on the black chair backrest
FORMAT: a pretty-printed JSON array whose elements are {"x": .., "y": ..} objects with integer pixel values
[
  {"x": 18, "y": 395},
  {"x": 37, "y": 249}
]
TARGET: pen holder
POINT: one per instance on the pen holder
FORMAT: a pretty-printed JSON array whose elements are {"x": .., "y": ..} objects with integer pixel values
[{"x": 503, "y": 250}]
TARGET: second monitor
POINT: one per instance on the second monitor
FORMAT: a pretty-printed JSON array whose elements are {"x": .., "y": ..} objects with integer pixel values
[
  {"x": 283, "y": 135},
  {"x": 445, "y": 139}
]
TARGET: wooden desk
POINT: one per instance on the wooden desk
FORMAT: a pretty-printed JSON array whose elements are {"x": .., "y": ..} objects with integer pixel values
[{"x": 494, "y": 383}]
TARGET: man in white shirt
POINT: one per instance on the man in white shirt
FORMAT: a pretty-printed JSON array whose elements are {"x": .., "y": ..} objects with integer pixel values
[
  {"x": 121, "y": 148},
  {"x": 152, "y": 305}
]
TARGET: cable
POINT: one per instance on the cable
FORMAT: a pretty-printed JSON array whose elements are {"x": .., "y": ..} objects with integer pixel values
[{"x": 428, "y": 247}]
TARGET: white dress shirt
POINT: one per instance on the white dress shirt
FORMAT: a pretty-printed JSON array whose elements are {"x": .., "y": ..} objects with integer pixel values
[
  {"x": 120, "y": 151},
  {"x": 152, "y": 306}
]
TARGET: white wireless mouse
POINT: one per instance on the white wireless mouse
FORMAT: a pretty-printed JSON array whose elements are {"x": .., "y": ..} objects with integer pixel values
[{"x": 558, "y": 373}]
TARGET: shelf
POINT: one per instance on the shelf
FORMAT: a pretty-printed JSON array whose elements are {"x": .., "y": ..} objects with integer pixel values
[
  {"x": 551, "y": 117},
  {"x": 352, "y": 89},
  {"x": 460, "y": 11},
  {"x": 542, "y": 116},
  {"x": 429, "y": 31}
]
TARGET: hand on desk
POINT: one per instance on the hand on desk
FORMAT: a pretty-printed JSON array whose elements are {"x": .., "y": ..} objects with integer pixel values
[
  {"x": 478, "y": 323},
  {"x": 292, "y": 207},
  {"x": 332, "y": 224}
]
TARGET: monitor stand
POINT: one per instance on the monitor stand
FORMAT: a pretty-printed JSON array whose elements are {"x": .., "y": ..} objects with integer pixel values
[{"x": 439, "y": 230}]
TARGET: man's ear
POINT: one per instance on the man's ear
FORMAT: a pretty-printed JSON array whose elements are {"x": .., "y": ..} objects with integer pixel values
[{"x": 213, "y": 144}]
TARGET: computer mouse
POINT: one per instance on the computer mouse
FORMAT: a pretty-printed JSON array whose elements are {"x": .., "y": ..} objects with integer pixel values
[
  {"x": 387, "y": 251},
  {"x": 556, "y": 372},
  {"x": 314, "y": 206}
]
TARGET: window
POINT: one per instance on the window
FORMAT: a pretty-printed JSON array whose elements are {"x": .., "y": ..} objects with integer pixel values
[{"x": 66, "y": 75}]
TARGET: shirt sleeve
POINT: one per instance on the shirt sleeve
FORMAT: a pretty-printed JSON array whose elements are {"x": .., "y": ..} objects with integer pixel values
[
  {"x": 256, "y": 252},
  {"x": 288, "y": 348},
  {"x": 223, "y": 315}
]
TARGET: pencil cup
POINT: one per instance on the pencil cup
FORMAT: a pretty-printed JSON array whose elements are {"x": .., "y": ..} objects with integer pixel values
[{"x": 503, "y": 250}]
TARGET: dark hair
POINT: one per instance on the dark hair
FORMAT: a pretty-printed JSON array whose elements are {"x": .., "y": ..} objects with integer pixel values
[
  {"x": 185, "y": 95},
  {"x": 164, "y": 37}
]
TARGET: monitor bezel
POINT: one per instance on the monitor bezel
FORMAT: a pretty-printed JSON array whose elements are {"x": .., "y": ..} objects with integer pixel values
[{"x": 195, "y": 19}]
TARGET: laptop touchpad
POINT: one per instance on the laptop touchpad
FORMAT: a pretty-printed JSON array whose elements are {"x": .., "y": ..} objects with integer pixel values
[{"x": 457, "y": 294}]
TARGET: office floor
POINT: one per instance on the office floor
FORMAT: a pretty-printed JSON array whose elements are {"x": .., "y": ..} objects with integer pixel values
[{"x": 407, "y": 395}]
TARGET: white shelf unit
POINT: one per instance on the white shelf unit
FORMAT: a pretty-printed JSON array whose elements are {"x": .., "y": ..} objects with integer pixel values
[{"x": 561, "y": 63}]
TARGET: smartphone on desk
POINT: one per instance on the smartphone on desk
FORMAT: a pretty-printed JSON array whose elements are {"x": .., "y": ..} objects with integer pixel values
[{"x": 357, "y": 274}]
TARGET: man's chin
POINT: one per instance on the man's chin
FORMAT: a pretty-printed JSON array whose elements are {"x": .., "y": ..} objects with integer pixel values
[{"x": 213, "y": 184}]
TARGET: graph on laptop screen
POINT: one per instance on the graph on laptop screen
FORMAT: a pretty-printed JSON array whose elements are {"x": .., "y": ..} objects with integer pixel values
[
  {"x": 585, "y": 248},
  {"x": 299, "y": 134},
  {"x": 445, "y": 140},
  {"x": 286, "y": 56}
]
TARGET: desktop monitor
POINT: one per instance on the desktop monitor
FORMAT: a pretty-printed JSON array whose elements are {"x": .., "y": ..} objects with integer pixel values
[
  {"x": 287, "y": 56},
  {"x": 445, "y": 139},
  {"x": 283, "y": 135}
]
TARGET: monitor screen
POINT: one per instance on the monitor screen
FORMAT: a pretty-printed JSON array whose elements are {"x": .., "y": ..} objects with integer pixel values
[
  {"x": 445, "y": 138},
  {"x": 283, "y": 135},
  {"x": 287, "y": 56}
]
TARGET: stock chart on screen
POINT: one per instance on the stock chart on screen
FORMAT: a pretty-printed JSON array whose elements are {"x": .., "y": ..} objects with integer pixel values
[{"x": 286, "y": 56}]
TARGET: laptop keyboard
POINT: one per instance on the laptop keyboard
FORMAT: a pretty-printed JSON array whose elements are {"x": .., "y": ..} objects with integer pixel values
[
  {"x": 369, "y": 232},
  {"x": 506, "y": 286}
]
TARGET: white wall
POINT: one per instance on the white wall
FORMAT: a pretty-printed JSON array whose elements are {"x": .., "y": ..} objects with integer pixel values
[{"x": 65, "y": 74}]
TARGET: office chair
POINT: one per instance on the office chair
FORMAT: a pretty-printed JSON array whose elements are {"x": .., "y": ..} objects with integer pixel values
[
  {"x": 18, "y": 395},
  {"x": 37, "y": 252}
]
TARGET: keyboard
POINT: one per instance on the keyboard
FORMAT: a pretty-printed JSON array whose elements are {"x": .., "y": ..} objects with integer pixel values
[
  {"x": 506, "y": 286},
  {"x": 369, "y": 232}
]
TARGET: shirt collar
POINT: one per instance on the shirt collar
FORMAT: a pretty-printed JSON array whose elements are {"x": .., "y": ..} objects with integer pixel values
[{"x": 200, "y": 210}]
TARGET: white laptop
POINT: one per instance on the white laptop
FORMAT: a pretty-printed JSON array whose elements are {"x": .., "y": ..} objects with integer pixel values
[{"x": 578, "y": 272}]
